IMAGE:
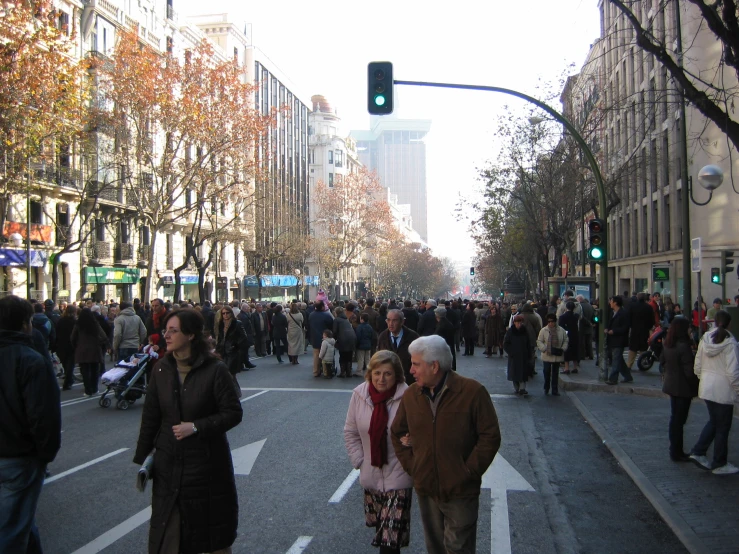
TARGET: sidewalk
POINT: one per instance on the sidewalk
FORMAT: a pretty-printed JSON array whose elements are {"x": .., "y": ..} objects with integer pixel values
[
  {"x": 646, "y": 383},
  {"x": 700, "y": 508}
]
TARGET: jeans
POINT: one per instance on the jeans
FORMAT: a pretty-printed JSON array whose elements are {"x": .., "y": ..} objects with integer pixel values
[
  {"x": 618, "y": 365},
  {"x": 449, "y": 527},
  {"x": 469, "y": 347},
  {"x": 21, "y": 480},
  {"x": 363, "y": 358},
  {"x": 68, "y": 363},
  {"x": 126, "y": 353},
  {"x": 551, "y": 376},
  {"x": 679, "y": 409},
  {"x": 716, "y": 431}
]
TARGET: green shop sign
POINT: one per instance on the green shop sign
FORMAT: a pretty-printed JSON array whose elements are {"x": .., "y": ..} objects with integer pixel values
[
  {"x": 660, "y": 274},
  {"x": 111, "y": 275}
]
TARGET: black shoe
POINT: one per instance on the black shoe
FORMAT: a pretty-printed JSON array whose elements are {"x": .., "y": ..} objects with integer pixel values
[
  {"x": 524, "y": 392},
  {"x": 546, "y": 392},
  {"x": 251, "y": 366},
  {"x": 611, "y": 382},
  {"x": 66, "y": 388},
  {"x": 628, "y": 381},
  {"x": 555, "y": 393},
  {"x": 279, "y": 361},
  {"x": 680, "y": 457}
]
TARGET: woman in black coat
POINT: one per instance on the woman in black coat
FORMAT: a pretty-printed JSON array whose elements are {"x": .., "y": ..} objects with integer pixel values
[
  {"x": 680, "y": 382},
  {"x": 89, "y": 342},
  {"x": 231, "y": 340},
  {"x": 190, "y": 404},
  {"x": 517, "y": 345},
  {"x": 279, "y": 332},
  {"x": 445, "y": 329},
  {"x": 469, "y": 330},
  {"x": 570, "y": 322},
  {"x": 64, "y": 349}
]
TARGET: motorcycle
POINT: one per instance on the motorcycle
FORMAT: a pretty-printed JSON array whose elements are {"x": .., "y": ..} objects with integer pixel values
[{"x": 646, "y": 359}]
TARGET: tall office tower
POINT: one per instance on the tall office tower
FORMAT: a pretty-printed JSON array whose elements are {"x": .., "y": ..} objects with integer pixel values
[{"x": 394, "y": 148}]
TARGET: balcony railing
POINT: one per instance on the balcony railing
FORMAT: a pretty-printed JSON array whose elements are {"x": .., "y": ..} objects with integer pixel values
[
  {"x": 61, "y": 176},
  {"x": 171, "y": 14},
  {"x": 123, "y": 252},
  {"x": 143, "y": 254},
  {"x": 61, "y": 234},
  {"x": 170, "y": 261},
  {"x": 98, "y": 250}
]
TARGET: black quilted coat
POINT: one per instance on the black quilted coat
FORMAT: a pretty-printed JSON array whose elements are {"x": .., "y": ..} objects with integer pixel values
[{"x": 196, "y": 472}]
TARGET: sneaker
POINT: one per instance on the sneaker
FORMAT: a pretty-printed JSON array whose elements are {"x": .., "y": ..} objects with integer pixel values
[
  {"x": 701, "y": 461},
  {"x": 727, "y": 469}
]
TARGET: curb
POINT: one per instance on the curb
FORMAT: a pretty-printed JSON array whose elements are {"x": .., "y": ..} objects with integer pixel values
[
  {"x": 674, "y": 520},
  {"x": 569, "y": 384}
]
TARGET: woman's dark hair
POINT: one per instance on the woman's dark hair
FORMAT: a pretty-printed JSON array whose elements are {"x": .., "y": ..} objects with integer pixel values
[
  {"x": 15, "y": 312},
  {"x": 192, "y": 323},
  {"x": 722, "y": 320},
  {"x": 87, "y": 323},
  {"x": 278, "y": 308},
  {"x": 551, "y": 317},
  {"x": 71, "y": 311},
  {"x": 679, "y": 331},
  {"x": 570, "y": 306}
]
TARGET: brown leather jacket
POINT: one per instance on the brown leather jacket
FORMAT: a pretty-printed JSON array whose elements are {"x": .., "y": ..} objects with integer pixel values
[{"x": 451, "y": 451}]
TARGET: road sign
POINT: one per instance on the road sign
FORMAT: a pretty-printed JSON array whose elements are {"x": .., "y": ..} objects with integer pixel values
[
  {"x": 695, "y": 255},
  {"x": 500, "y": 478}
]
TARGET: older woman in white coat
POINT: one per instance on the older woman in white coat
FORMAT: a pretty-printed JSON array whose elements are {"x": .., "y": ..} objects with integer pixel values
[
  {"x": 387, "y": 487},
  {"x": 552, "y": 343}
]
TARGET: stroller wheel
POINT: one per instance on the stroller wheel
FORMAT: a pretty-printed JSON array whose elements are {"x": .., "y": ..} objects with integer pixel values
[
  {"x": 105, "y": 402},
  {"x": 122, "y": 404}
]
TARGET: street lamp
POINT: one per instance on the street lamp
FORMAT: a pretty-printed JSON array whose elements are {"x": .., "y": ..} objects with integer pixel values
[{"x": 297, "y": 284}]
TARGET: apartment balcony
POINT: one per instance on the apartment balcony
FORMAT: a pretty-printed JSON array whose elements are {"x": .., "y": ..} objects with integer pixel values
[
  {"x": 170, "y": 262},
  {"x": 98, "y": 251},
  {"x": 60, "y": 176},
  {"x": 107, "y": 193},
  {"x": 123, "y": 253},
  {"x": 143, "y": 255},
  {"x": 62, "y": 231}
]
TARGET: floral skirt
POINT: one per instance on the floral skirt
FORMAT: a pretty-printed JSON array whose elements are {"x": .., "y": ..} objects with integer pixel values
[{"x": 390, "y": 514}]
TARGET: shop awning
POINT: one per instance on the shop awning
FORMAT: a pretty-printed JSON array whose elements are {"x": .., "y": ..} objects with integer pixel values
[{"x": 17, "y": 258}]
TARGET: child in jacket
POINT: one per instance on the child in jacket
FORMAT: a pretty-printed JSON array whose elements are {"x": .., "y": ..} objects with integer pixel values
[
  {"x": 327, "y": 353},
  {"x": 366, "y": 337}
]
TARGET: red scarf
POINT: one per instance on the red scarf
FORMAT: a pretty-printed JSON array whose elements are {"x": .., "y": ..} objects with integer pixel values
[{"x": 378, "y": 424}]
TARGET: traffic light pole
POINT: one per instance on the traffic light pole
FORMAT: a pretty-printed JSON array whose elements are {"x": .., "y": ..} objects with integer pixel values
[{"x": 602, "y": 205}]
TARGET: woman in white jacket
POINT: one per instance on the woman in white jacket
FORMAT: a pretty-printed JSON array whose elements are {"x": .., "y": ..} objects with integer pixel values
[
  {"x": 552, "y": 343},
  {"x": 717, "y": 367},
  {"x": 387, "y": 488}
]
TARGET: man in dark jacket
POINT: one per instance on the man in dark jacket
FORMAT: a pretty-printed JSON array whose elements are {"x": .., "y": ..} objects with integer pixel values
[
  {"x": 641, "y": 321},
  {"x": 448, "y": 456},
  {"x": 586, "y": 328},
  {"x": 30, "y": 426},
  {"x": 155, "y": 324},
  {"x": 445, "y": 330},
  {"x": 209, "y": 316},
  {"x": 44, "y": 325},
  {"x": 617, "y": 335},
  {"x": 245, "y": 318},
  {"x": 411, "y": 315},
  {"x": 261, "y": 330},
  {"x": 397, "y": 337},
  {"x": 320, "y": 320},
  {"x": 427, "y": 322}
]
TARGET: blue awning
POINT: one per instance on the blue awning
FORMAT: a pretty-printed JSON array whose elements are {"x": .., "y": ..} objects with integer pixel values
[{"x": 17, "y": 258}]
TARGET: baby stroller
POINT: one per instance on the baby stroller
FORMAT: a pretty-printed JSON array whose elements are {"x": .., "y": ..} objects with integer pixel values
[
  {"x": 646, "y": 359},
  {"x": 126, "y": 381}
]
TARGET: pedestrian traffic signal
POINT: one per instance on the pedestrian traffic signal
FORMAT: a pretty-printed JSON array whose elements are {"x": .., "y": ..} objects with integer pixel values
[
  {"x": 502, "y": 294},
  {"x": 597, "y": 241},
  {"x": 472, "y": 271},
  {"x": 727, "y": 262},
  {"x": 596, "y": 316},
  {"x": 715, "y": 276},
  {"x": 380, "y": 88}
]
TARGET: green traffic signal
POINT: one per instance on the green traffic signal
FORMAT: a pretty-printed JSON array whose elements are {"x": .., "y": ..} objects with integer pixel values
[
  {"x": 379, "y": 100},
  {"x": 380, "y": 88},
  {"x": 596, "y": 253},
  {"x": 715, "y": 275}
]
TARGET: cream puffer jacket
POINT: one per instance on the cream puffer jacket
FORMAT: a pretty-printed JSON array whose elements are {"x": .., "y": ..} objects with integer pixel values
[
  {"x": 717, "y": 367},
  {"x": 561, "y": 341},
  {"x": 390, "y": 476}
]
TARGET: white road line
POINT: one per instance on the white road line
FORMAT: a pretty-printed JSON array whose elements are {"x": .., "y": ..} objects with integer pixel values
[
  {"x": 120, "y": 530},
  {"x": 299, "y": 545},
  {"x": 503, "y": 395},
  {"x": 297, "y": 390},
  {"x": 83, "y": 466},
  {"x": 344, "y": 487},
  {"x": 252, "y": 396},
  {"x": 78, "y": 401}
]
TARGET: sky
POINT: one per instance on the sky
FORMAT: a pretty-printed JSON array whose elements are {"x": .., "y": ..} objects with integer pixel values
[{"x": 324, "y": 47}]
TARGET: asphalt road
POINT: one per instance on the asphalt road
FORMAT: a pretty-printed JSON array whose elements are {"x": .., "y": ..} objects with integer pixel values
[{"x": 581, "y": 500}]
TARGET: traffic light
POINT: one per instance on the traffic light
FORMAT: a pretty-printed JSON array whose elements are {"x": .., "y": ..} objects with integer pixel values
[
  {"x": 380, "y": 88},
  {"x": 502, "y": 294},
  {"x": 472, "y": 271},
  {"x": 715, "y": 276},
  {"x": 597, "y": 241},
  {"x": 727, "y": 262},
  {"x": 596, "y": 316}
]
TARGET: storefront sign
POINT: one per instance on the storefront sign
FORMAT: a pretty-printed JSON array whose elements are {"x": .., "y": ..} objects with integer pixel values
[
  {"x": 188, "y": 279},
  {"x": 111, "y": 275},
  {"x": 281, "y": 280},
  {"x": 167, "y": 280},
  {"x": 17, "y": 258},
  {"x": 660, "y": 274},
  {"x": 222, "y": 283}
]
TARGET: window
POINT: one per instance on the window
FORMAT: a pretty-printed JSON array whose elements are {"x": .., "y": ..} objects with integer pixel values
[
  {"x": 330, "y": 156},
  {"x": 331, "y": 180},
  {"x": 666, "y": 220},
  {"x": 145, "y": 238},
  {"x": 170, "y": 45},
  {"x": 99, "y": 230},
  {"x": 655, "y": 228},
  {"x": 124, "y": 232},
  {"x": 339, "y": 158},
  {"x": 36, "y": 213}
]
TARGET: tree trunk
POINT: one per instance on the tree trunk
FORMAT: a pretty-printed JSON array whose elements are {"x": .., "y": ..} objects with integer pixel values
[
  {"x": 151, "y": 272},
  {"x": 259, "y": 285},
  {"x": 55, "y": 277},
  {"x": 201, "y": 283},
  {"x": 177, "y": 271}
]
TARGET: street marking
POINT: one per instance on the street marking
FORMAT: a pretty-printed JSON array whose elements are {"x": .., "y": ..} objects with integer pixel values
[
  {"x": 496, "y": 395},
  {"x": 245, "y": 456},
  {"x": 299, "y": 545},
  {"x": 500, "y": 478},
  {"x": 83, "y": 466},
  {"x": 297, "y": 390},
  {"x": 253, "y": 395},
  {"x": 344, "y": 487},
  {"x": 78, "y": 401},
  {"x": 117, "y": 532}
]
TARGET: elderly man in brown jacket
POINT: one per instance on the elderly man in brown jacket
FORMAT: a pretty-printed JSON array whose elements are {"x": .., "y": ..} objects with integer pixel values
[{"x": 445, "y": 435}]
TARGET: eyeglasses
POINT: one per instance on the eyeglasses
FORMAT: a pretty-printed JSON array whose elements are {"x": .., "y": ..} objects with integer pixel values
[
  {"x": 171, "y": 331},
  {"x": 229, "y": 314}
]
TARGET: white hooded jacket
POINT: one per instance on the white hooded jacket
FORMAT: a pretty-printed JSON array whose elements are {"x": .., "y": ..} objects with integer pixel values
[{"x": 717, "y": 367}]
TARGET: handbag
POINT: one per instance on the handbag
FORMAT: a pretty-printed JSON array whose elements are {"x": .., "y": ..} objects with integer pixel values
[
  {"x": 145, "y": 473},
  {"x": 556, "y": 351}
]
